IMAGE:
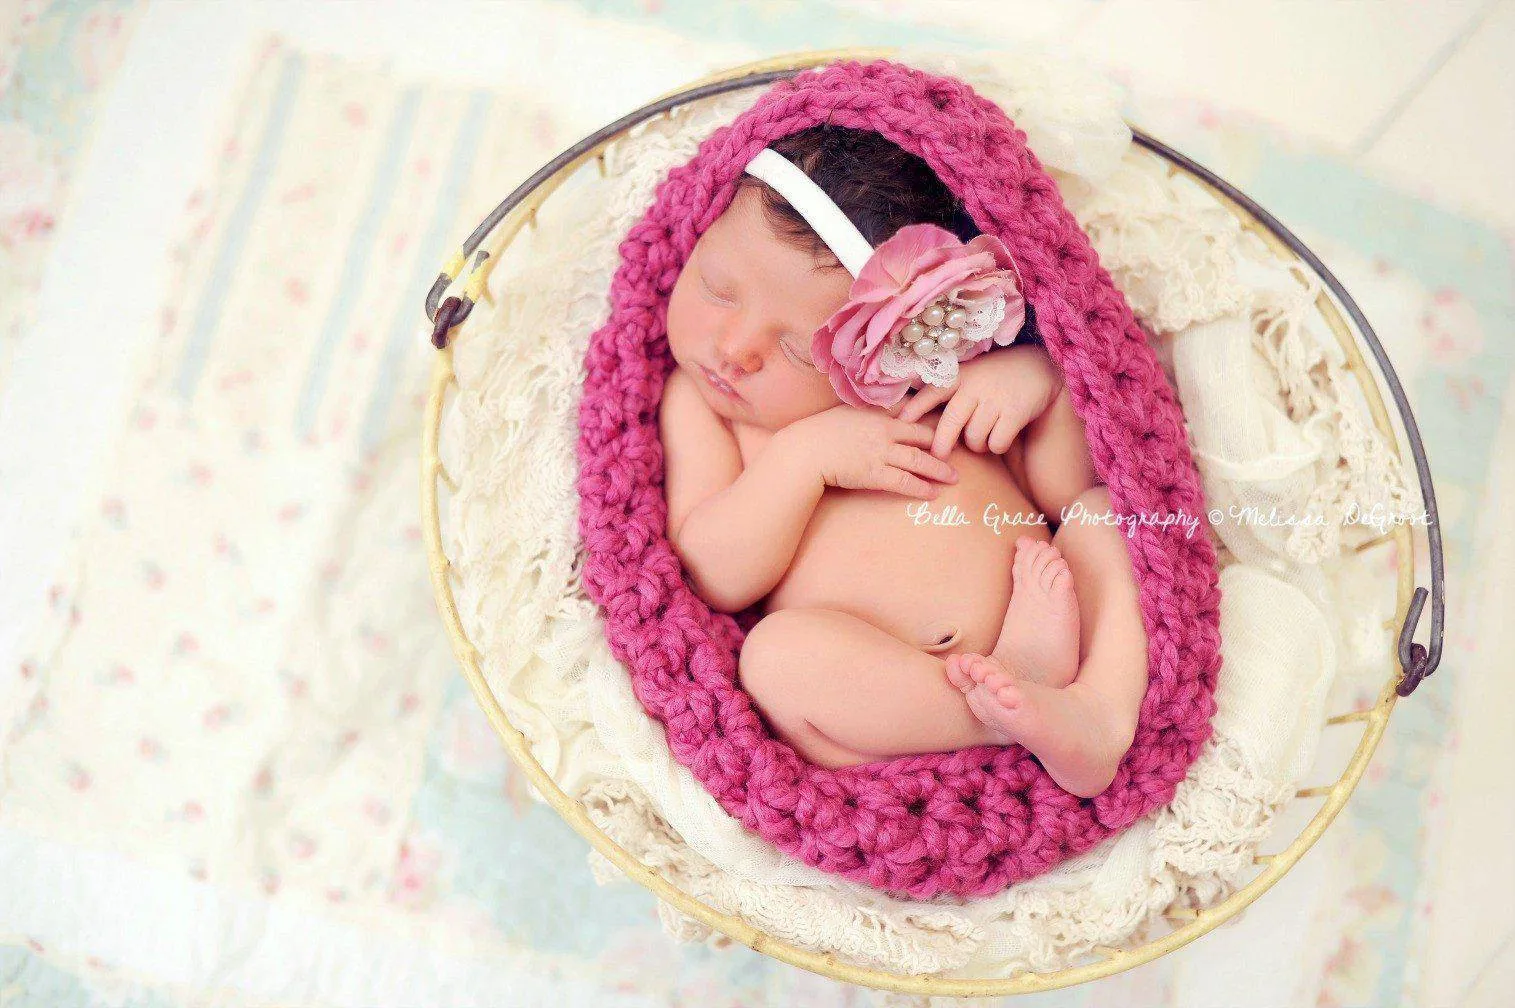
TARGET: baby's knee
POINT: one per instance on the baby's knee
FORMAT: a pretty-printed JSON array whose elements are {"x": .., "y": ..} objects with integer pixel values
[
  {"x": 1095, "y": 500},
  {"x": 790, "y": 652},
  {"x": 774, "y": 652}
]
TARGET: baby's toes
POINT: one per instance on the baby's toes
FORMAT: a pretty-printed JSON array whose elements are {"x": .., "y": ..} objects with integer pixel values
[
  {"x": 1023, "y": 552},
  {"x": 1008, "y": 696},
  {"x": 975, "y": 666},
  {"x": 995, "y": 681},
  {"x": 987, "y": 709},
  {"x": 1044, "y": 554},
  {"x": 1056, "y": 566},
  {"x": 996, "y": 711},
  {"x": 958, "y": 676},
  {"x": 991, "y": 664}
]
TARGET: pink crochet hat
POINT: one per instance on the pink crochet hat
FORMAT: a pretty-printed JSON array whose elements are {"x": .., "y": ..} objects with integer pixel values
[{"x": 966, "y": 823}]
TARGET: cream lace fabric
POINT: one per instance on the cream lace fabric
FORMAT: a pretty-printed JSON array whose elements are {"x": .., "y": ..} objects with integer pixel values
[{"x": 1218, "y": 309}]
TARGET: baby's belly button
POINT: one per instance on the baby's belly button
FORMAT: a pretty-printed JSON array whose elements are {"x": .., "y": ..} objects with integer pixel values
[{"x": 935, "y": 599}]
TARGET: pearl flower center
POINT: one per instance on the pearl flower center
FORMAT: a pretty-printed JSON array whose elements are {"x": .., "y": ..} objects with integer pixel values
[{"x": 938, "y": 327}]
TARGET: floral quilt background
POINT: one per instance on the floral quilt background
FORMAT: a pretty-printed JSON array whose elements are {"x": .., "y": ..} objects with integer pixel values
[
  {"x": 240, "y": 766},
  {"x": 56, "y": 59}
]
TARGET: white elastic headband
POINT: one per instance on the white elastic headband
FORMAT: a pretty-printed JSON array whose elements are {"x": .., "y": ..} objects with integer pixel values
[{"x": 818, "y": 209}]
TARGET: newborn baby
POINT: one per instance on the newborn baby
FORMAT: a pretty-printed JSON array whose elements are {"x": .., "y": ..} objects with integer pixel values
[{"x": 915, "y": 599}]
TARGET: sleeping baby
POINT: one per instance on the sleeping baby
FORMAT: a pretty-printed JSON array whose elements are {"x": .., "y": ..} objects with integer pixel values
[{"x": 862, "y": 434}]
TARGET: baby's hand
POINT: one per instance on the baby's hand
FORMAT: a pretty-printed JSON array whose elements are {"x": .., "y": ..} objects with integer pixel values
[
  {"x": 995, "y": 396},
  {"x": 864, "y": 449}
]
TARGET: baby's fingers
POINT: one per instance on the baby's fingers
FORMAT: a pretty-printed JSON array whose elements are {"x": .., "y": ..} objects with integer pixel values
[
  {"x": 976, "y": 434},
  {"x": 911, "y": 433},
  {"x": 924, "y": 401},
  {"x": 905, "y": 483},
  {"x": 957, "y": 413},
  {"x": 1003, "y": 435},
  {"x": 917, "y": 460}
]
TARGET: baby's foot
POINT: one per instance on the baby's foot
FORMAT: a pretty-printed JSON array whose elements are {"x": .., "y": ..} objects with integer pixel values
[
  {"x": 1071, "y": 730},
  {"x": 969, "y": 672},
  {"x": 1039, "y": 638}
]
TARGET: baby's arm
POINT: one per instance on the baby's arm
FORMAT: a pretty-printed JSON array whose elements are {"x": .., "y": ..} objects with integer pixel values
[{"x": 735, "y": 530}]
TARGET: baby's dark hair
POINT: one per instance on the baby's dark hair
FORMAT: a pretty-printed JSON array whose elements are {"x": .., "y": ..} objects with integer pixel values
[{"x": 880, "y": 186}]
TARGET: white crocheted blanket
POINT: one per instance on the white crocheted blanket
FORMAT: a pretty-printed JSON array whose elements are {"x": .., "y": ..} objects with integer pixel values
[{"x": 1272, "y": 427}]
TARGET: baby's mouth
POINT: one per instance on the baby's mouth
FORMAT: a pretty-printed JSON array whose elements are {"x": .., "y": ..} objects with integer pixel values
[{"x": 720, "y": 384}]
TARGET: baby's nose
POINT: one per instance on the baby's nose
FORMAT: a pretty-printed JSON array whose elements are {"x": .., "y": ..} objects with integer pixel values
[{"x": 742, "y": 359}]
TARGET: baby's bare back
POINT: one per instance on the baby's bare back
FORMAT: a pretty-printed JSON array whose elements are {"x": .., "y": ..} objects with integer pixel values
[{"x": 926, "y": 572}]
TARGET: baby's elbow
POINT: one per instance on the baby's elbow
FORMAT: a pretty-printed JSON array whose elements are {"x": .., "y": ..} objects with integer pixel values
[
  {"x": 721, "y": 594},
  {"x": 724, "y": 598},
  {"x": 729, "y": 602}
]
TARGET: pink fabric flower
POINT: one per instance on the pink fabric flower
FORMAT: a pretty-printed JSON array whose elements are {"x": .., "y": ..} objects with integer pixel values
[{"x": 861, "y": 348}]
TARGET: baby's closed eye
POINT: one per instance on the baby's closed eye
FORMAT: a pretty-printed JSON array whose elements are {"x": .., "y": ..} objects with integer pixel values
[{"x": 801, "y": 359}]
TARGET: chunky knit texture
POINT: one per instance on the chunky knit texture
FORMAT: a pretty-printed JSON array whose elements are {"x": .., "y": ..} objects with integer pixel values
[{"x": 966, "y": 823}]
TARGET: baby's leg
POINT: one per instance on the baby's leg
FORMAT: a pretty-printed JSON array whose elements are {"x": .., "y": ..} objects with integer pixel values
[
  {"x": 1079, "y": 732},
  {"x": 843, "y": 692},
  {"x": 1056, "y": 460}
]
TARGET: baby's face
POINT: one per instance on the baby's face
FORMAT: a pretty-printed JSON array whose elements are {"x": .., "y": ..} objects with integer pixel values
[{"x": 742, "y": 314}]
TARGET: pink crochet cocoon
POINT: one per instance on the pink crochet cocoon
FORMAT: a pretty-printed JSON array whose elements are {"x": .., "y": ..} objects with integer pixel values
[{"x": 966, "y": 823}]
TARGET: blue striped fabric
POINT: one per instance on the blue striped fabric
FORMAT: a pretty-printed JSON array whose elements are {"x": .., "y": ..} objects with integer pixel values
[
  {"x": 270, "y": 147},
  {"x": 430, "y": 253},
  {"x": 360, "y": 249}
]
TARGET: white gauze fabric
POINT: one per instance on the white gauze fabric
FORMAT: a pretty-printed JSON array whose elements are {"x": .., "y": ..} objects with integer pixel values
[{"x": 510, "y": 529}]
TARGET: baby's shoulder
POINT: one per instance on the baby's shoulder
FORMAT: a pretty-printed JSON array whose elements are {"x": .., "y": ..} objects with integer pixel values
[
  {"x": 679, "y": 390},
  {"x": 700, "y": 455},
  {"x": 683, "y": 414},
  {"x": 682, "y": 402},
  {"x": 680, "y": 397}
]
